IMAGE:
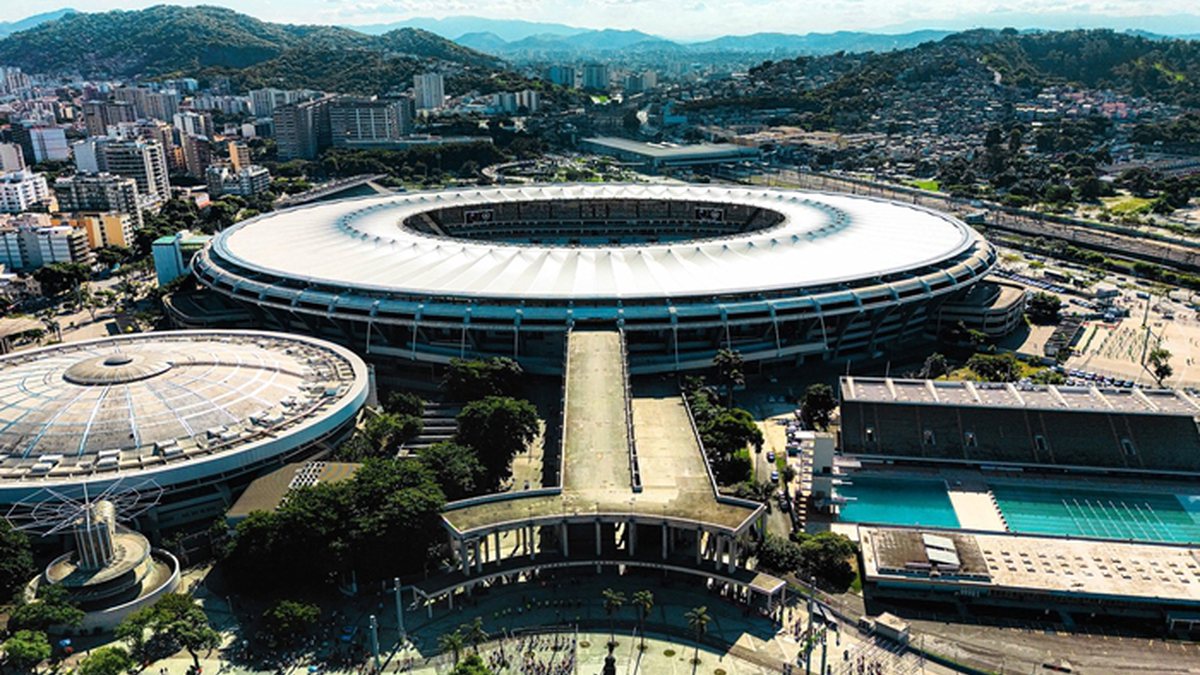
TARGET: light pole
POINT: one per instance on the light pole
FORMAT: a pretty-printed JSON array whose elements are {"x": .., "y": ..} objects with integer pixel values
[
  {"x": 375, "y": 641},
  {"x": 402, "y": 634}
]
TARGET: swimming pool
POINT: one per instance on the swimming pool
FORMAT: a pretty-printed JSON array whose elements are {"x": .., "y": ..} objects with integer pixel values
[
  {"x": 1107, "y": 514},
  {"x": 897, "y": 501}
]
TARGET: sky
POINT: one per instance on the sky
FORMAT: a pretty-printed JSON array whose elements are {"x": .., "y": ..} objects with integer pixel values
[{"x": 695, "y": 19}]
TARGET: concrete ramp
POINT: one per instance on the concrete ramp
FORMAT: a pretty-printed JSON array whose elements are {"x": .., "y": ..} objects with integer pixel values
[{"x": 596, "y": 447}]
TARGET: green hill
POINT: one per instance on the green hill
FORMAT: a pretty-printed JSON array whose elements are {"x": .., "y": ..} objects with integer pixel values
[{"x": 191, "y": 40}]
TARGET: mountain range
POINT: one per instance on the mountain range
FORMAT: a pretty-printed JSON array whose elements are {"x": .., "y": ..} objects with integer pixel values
[
  {"x": 167, "y": 39},
  {"x": 9, "y": 27}
]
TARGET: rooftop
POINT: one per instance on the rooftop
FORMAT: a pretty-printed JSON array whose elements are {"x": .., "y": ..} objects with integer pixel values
[
  {"x": 818, "y": 240},
  {"x": 267, "y": 493},
  {"x": 1032, "y": 563},
  {"x": 115, "y": 406},
  {"x": 1025, "y": 396},
  {"x": 674, "y": 151}
]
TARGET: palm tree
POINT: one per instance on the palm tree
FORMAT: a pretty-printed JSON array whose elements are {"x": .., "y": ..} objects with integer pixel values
[
  {"x": 731, "y": 367},
  {"x": 697, "y": 620},
  {"x": 613, "y": 600},
  {"x": 644, "y": 601},
  {"x": 474, "y": 633},
  {"x": 453, "y": 643}
]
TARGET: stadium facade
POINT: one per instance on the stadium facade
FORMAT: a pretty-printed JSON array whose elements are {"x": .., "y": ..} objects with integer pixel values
[
  {"x": 195, "y": 415},
  {"x": 682, "y": 271}
]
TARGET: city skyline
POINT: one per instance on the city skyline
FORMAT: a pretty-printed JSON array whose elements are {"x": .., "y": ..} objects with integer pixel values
[{"x": 697, "y": 19}]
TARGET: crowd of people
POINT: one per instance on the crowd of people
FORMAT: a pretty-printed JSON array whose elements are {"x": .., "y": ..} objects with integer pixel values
[{"x": 548, "y": 654}]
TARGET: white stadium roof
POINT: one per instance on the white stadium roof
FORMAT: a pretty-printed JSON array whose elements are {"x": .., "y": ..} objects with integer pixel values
[
  {"x": 168, "y": 403},
  {"x": 822, "y": 239}
]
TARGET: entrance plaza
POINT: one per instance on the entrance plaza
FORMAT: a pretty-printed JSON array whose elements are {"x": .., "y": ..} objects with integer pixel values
[{"x": 635, "y": 491}]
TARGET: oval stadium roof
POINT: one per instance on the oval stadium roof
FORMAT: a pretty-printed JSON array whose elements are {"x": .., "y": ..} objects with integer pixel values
[{"x": 822, "y": 239}]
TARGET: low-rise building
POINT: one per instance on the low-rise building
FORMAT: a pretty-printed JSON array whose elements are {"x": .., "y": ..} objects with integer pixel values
[
  {"x": 113, "y": 228},
  {"x": 173, "y": 254},
  {"x": 30, "y": 240},
  {"x": 245, "y": 182}
]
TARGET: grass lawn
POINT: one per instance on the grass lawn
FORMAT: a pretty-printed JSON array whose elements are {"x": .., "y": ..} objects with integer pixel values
[
  {"x": 1127, "y": 205},
  {"x": 929, "y": 184}
]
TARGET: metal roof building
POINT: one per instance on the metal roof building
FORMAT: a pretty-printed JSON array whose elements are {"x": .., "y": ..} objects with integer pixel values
[
  {"x": 196, "y": 413},
  {"x": 683, "y": 270}
]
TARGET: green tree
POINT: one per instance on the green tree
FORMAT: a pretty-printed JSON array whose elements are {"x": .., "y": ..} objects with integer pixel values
[
  {"x": 452, "y": 642},
  {"x": 827, "y": 557},
  {"x": 1159, "y": 360},
  {"x": 50, "y": 609},
  {"x": 16, "y": 560},
  {"x": 643, "y": 601},
  {"x": 25, "y": 649},
  {"x": 175, "y": 620},
  {"x": 474, "y": 379},
  {"x": 1043, "y": 308},
  {"x": 474, "y": 633},
  {"x": 472, "y": 665},
  {"x": 995, "y": 367},
  {"x": 731, "y": 367},
  {"x": 404, "y": 403},
  {"x": 778, "y": 554},
  {"x": 58, "y": 278},
  {"x": 106, "y": 661},
  {"x": 457, "y": 468},
  {"x": 613, "y": 601},
  {"x": 287, "y": 621},
  {"x": 698, "y": 620},
  {"x": 497, "y": 428},
  {"x": 817, "y": 405}
]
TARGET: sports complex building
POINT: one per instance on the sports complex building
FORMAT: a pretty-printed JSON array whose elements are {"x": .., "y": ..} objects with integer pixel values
[
  {"x": 195, "y": 415},
  {"x": 1057, "y": 505},
  {"x": 681, "y": 270}
]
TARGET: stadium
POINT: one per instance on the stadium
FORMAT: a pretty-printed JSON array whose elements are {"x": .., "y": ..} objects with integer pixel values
[
  {"x": 682, "y": 271},
  {"x": 195, "y": 415}
]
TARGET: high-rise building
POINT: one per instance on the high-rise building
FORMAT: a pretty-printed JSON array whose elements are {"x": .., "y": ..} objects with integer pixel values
[
  {"x": 264, "y": 101},
  {"x": 145, "y": 162},
  {"x": 191, "y": 123},
  {"x": 98, "y": 116},
  {"x": 12, "y": 157},
  {"x": 12, "y": 80},
  {"x": 23, "y": 191},
  {"x": 99, "y": 193},
  {"x": 564, "y": 76},
  {"x": 49, "y": 144},
  {"x": 364, "y": 122},
  {"x": 429, "y": 91},
  {"x": 302, "y": 130},
  {"x": 239, "y": 155},
  {"x": 88, "y": 154},
  {"x": 639, "y": 82},
  {"x": 530, "y": 100},
  {"x": 595, "y": 77},
  {"x": 197, "y": 155},
  {"x": 159, "y": 105}
]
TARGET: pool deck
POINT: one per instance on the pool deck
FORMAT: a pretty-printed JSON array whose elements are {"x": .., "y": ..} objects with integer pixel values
[{"x": 977, "y": 510}]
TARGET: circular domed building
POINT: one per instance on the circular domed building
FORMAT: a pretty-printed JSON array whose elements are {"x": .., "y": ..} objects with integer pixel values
[
  {"x": 197, "y": 414},
  {"x": 682, "y": 270}
]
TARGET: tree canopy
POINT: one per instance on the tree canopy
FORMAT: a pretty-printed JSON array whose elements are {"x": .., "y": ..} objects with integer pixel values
[
  {"x": 817, "y": 405},
  {"x": 16, "y": 560},
  {"x": 332, "y": 528},
  {"x": 497, "y": 428},
  {"x": 25, "y": 649},
  {"x": 473, "y": 379}
]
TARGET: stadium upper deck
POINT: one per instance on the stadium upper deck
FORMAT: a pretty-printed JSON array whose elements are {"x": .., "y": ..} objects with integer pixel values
[{"x": 682, "y": 270}]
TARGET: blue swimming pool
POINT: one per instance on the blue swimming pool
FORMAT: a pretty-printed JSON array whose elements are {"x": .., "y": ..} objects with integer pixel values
[
  {"x": 1106, "y": 514},
  {"x": 897, "y": 501}
]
